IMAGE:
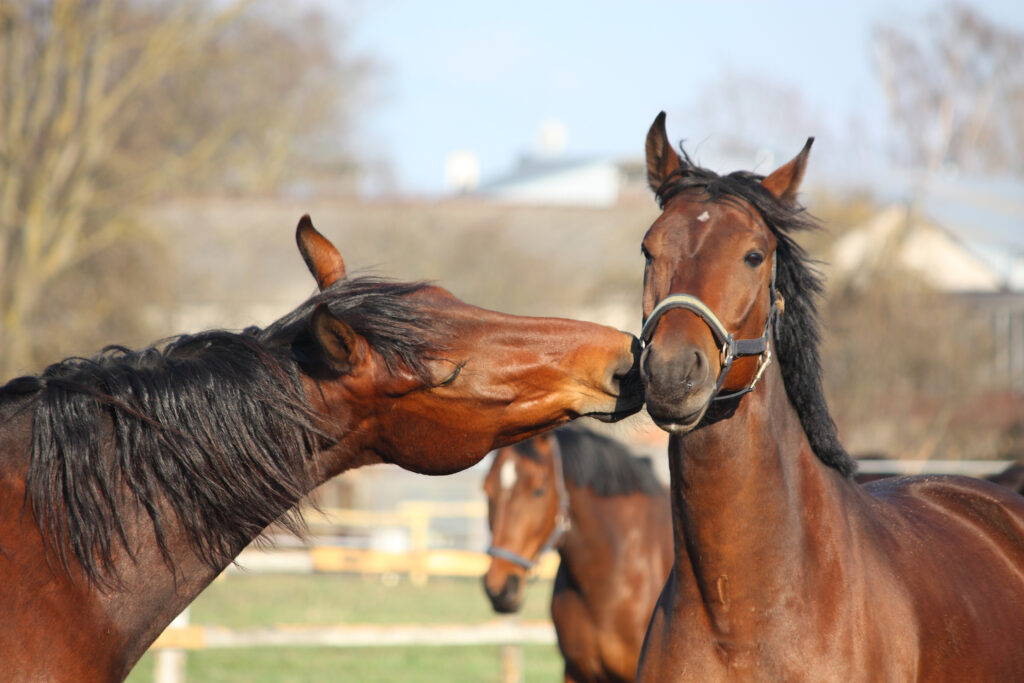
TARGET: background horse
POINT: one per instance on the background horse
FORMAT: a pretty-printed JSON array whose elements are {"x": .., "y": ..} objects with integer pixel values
[
  {"x": 130, "y": 480},
  {"x": 1012, "y": 477},
  {"x": 785, "y": 569},
  {"x": 608, "y": 516}
]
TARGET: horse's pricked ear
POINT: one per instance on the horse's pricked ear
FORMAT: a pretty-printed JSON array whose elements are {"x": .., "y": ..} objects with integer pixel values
[
  {"x": 662, "y": 160},
  {"x": 340, "y": 344},
  {"x": 321, "y": 257},
  {"x": 784, "y": 182}
]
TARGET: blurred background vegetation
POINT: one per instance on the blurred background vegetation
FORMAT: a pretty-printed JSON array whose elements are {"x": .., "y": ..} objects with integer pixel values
[
  {"x": 155, "y": 156},
  {"x": 110, "y": 106}
]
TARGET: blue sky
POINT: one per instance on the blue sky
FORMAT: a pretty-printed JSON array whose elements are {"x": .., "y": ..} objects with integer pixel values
[{"x": 483, "y": 76}]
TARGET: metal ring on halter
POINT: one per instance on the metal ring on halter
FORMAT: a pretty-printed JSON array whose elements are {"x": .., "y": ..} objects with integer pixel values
[
  {"x": 562, "y": 522},
  {"x": 731, "y": 348}
]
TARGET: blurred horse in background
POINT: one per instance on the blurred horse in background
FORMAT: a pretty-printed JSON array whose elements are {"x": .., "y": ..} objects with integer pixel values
[
  {"x": 785, "y": 568},
  {"x": 128, "y": 481},
  {"x": 609, "y": 518},
  {"x": 1012, "y": 477}
]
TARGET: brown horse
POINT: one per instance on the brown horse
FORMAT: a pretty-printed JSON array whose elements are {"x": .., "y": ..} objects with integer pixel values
[
  {"x": 784, "y": 568},
  {"x": 609, "y": 518},
  {"x": 130, "y": 480},
  {"x": 1012, "y": 477}
]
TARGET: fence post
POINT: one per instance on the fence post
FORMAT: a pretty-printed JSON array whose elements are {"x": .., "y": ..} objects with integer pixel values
[
  {"x": 511, "y": 663},
  {"x": 169, "y": 664},
  {"x": 418, "y": 516},
  {"x": 512, "y": 656}
]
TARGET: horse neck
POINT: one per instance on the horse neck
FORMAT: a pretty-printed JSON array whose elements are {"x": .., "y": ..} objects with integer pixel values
[
  {"x": 589, "y": 541},
  {"x": 747, "y": 495}
]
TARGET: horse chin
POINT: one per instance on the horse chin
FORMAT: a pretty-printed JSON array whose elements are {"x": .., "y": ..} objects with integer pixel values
[
  {"x": 677, "y": 418},
  {"x": 679, "y": 426}
]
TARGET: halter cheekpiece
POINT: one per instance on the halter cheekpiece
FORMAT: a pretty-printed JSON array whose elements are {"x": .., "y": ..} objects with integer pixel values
[{"x": 731, "y": 348}]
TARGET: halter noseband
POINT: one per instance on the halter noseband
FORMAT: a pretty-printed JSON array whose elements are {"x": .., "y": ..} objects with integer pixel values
[
  {"x": 562, "y": 523},
  {"x": 732, "y": 348}
]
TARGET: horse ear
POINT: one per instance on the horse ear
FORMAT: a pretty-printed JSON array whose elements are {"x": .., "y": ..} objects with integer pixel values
[
  {"x": 662, "y": 160},
  {"x": 340, "y": 344},
  {"x": 321, "y": 257},
  {"x": 784, "y": 182}
]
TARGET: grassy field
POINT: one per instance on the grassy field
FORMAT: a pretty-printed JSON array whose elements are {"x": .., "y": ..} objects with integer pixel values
[{"x": 240, "y": 601}]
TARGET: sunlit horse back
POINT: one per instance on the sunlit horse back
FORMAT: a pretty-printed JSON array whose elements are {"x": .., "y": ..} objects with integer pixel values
[
  {"x": 608, "y": 516},
  {"x": 785, "y": 569},
  {"x": 130, "y": 480}
]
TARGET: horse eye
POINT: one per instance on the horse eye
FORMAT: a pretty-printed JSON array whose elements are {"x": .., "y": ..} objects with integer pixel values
[
  {"x": 537, "y": 493},
  {"x": 451, "y": 378},
  {"x": 753, "y": 258},
  {"x": 647, "y": 255}
]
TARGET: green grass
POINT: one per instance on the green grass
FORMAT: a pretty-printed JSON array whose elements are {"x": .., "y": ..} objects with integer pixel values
[{"x": 241, "y": 601}]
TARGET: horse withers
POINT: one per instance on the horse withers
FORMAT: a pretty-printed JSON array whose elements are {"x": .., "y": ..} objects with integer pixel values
[
  {"x": 128, "y": 481},
  {"x": 608, "y": 517},
  {"x": 785, "y": 569}
]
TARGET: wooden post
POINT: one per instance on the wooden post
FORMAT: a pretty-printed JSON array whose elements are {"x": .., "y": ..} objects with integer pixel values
[
  {"x": 511, "y": 663},
  {"x": 169, "y": 664},
  {"x": 418, "y": 516},
  {"x": 512, "y": 656}
]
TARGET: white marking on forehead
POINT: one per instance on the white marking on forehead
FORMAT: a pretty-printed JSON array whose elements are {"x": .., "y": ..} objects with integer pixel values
[
  {"x": 507, "y": 475},
  {"x": 704, "y": 217}
]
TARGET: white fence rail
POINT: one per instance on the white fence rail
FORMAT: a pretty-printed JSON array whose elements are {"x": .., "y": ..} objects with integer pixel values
[
  {"x": 972, "y": 468},
  {"x": 497, "y": 632},
  {"x": 509, "y": 633}
]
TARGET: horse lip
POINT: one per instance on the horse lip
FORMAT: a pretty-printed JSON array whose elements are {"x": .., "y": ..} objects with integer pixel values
[
  {"x": 680, "y": 425},
  {"x": 625, "y": 406}
]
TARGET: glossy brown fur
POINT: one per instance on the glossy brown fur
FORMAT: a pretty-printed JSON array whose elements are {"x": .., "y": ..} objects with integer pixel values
[
  {"x": 614, "y": 560},
  {"x": 519, "y": 376},
  {"x": 786, "y": 570}
]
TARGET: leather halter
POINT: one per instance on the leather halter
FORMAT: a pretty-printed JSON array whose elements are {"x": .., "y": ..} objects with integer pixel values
[
  {"x": 562, "y": 523},
  {"x": 731, "y": 348}
]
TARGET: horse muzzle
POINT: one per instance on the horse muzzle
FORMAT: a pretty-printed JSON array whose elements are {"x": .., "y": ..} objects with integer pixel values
[
  {"x": 678, "y": 385},
  {"x": 509, "y": 598}
]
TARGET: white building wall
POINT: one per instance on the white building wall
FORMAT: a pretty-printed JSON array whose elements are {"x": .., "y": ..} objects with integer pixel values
[{"x": 594, "y": 184}]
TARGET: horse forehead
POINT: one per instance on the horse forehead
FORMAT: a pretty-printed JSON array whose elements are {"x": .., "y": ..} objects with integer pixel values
[
  {"x": 508, "y": 474},
  {"x": 693, "y": 228}
]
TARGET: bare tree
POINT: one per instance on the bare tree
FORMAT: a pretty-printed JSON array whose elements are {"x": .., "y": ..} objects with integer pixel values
[
  {"x": 108, "y": 104},
  {"x": 954, "y": 84},
  {"x": 742, "y": 112}
]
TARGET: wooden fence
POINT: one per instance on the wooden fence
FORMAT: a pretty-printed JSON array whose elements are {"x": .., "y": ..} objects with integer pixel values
[{"x": 509, "y": 633}]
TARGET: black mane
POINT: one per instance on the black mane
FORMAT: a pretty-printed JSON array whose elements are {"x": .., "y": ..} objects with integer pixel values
[
  {"x": 798, "y": 331},
  {"x": 599, "y": 463},
  {"x": 212, "y": 430}
]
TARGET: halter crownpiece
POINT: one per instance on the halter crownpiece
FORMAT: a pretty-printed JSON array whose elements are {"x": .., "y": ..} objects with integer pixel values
[
  {"x": 562, "y": 523},
  {"x": 731, "y": 348}
]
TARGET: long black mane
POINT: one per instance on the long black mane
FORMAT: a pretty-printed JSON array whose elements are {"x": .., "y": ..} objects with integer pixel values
[
  {"x": 602, "y": 464},
  {"x": 798, "y": 333},
  {"x": 212, "y": 430}
]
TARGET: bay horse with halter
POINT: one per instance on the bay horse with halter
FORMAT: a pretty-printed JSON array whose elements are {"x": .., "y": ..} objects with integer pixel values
[
  {"x": 609, "y": 518},
  {"x": 785, "y": 569},
  {"x": 128, "y": 481}
]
